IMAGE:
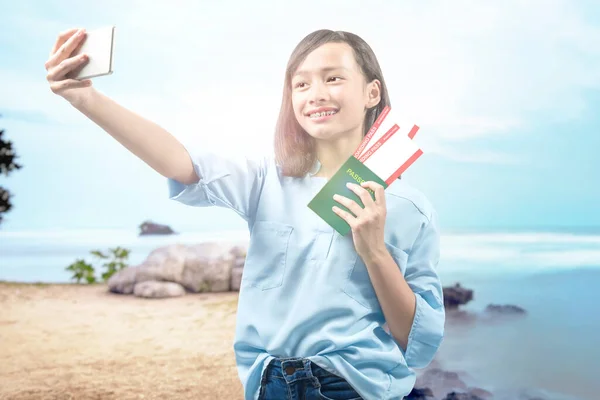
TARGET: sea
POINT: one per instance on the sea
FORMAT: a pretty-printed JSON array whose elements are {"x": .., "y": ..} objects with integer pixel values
[{"x": 552, "y": 352}]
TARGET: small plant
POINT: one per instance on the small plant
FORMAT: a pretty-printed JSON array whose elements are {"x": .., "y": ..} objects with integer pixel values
[
  {"x": 82, "y": 271},
  {"x": 115, "y": 261}
]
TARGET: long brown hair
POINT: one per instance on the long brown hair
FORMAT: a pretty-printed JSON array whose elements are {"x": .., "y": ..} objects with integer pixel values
[{"x": 294, "y": 148}]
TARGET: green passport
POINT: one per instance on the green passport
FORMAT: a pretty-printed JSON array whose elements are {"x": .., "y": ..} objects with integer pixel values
[{"x": 352, "y": 171}]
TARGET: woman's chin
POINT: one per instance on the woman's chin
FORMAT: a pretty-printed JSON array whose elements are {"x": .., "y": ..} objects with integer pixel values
[{"x": 324, "y": 134}]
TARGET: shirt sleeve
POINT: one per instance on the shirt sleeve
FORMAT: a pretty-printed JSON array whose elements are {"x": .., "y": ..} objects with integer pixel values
[
  {"x": 233, "y": 182},
  {"x": 427, "y": 330}
]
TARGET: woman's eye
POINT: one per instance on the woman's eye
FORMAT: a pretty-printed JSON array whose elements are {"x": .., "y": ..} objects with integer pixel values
[
  {"x": 335, "y": 77},
  {"x": 299, "y": 85}
]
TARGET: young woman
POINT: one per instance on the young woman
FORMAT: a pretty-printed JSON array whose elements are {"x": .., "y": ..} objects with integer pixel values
[{"x": 313, "y": 305}]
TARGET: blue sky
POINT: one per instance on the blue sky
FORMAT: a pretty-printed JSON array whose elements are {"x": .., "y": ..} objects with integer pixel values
[{"x": 506, "y": 96}]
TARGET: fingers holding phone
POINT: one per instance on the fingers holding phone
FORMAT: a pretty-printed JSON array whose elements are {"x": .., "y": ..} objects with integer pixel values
[
  {"x": 77, "y": 56},
  {"x": 62, "y": 61}
]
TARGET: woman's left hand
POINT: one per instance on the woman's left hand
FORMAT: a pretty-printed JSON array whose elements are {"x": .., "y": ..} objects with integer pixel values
[{"x": 367, "y": 223}]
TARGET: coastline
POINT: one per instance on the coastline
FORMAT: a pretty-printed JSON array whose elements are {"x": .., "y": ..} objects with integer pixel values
[{"x": 71, "y": 341}]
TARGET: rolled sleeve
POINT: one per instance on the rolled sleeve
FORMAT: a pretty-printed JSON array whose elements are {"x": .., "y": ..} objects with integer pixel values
[
  {"x": 232, "y": 182},
  {"x": 427, "y": 330}
]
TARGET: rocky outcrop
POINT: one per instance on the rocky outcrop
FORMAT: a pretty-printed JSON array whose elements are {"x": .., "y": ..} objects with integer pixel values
[
  {"x": 151, "y": 228},
  {"x": 440, "y": 382},
  {"x": 481, "y": 393},
  {"x": 205, "y": 267},
  {"x": 455, "y": 296},
  {"x": 420, "y": 394},
  {"x": 504, "y": 309},
  {"x": 461, "y": 396},
  {"x": 470, "y": 394},
  {"x": 435, "y": 383}
]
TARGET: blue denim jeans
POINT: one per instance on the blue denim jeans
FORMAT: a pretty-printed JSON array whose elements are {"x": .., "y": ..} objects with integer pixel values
[{"x": 299, "y": 379}]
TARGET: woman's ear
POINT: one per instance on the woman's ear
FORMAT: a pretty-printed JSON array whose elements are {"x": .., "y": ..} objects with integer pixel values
[{"x": 373, "y": 93}]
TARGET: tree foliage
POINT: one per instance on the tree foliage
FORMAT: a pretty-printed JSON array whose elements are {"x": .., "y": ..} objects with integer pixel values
[
  {"x": 114, "y": 260},
  {"x": 8, "y": 164}
]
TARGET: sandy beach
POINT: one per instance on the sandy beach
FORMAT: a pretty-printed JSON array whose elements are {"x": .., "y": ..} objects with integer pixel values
[{"x": 68, "y": 341}]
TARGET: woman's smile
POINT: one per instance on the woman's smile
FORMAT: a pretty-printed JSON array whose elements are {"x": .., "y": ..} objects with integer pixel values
[{"x": 322, "y": 117}]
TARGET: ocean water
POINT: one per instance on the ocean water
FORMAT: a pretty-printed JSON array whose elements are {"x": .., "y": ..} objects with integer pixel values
[
  {"x": 552, "y": 352},
  {"x": 40, "y": 256}
]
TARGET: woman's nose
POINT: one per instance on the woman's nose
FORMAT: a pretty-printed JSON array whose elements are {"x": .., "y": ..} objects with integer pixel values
[{"x": 318, "y": 93}]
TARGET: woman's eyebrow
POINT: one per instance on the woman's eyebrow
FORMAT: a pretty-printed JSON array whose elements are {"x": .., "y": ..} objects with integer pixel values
[{"x": 325, "y": 69}]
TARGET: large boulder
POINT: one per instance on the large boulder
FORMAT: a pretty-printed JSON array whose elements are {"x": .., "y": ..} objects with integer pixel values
[
  {"x": 123, "y": 281},
  {"x": 163, "y": 264},
  {"x": 205, "y": 267},
  {"x": 208, "y": 268},
  {"x": 158, "y": 290},
  {"x": 236, "y": 278}
]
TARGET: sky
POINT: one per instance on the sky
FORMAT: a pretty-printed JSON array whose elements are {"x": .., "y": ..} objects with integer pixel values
[{"x": 506, "y": 95}]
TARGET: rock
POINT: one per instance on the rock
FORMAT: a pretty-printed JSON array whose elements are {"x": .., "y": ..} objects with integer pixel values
[
  {"x": 238, "y": 252},
  {"x": 163, "y": 264},
  {"x": 206, "y": 267},
  {"x": 507, "y": 309},
  {"x": 420, "y": 394},
  {"x": 236, "y": 278},
  {"x": 455, "y": 296},
  {"x": 151, "y": 228},
  {"x": 239, "y": 263},
  {"x": 158, "y": 290},
  {"x": 123, "y": 281},
  {"x": 440, "y": 382},
  {"x": 480, "y": 393},
  {"x": 461, "y": 396}
]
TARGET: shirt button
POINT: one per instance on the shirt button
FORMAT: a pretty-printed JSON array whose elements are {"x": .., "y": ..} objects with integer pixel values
[{"x": 290, "y": 370}]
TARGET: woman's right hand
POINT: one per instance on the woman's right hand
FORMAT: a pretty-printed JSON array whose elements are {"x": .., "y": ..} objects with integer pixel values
[{"x": 61, "y": 62}]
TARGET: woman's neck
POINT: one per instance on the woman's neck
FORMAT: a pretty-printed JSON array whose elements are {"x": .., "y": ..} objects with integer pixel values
[{"x": 333, "y": 154}]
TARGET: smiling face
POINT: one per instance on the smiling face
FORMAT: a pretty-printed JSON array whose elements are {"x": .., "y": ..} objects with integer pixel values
[{"x": 330, "y": 95}]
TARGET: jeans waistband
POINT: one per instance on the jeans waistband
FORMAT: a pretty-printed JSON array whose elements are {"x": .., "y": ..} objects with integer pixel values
[{"x": 294, "y": 368}]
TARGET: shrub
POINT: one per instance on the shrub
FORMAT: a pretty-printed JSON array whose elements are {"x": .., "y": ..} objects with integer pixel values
[
  {"x": 82, "y": 271},
  {"x": 115, "y": 260},
  {"x": 114, "y": 264}
]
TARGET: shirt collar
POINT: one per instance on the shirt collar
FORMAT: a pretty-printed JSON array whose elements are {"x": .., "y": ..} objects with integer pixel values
[{"x": 315, "y": 168}]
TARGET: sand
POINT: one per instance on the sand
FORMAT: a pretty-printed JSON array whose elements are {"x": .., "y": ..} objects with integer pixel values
[{"x": 82, "y": 342}]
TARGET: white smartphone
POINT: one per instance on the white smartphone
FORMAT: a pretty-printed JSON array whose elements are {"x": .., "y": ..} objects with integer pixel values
[{"x": 99, "y": 45}]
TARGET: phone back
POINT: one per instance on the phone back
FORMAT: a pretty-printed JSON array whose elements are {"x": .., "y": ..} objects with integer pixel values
[{"x": 99, "y": 46}]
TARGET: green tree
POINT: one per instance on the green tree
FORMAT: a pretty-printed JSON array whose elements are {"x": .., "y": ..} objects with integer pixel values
[{"x": 7, "y": 165}]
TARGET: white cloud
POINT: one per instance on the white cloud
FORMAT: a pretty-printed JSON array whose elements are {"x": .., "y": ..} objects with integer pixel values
[
  {"x": 483, "y": 156},
  {"x": 474, "y": 127},
  {"x": 465, "y": 70}
]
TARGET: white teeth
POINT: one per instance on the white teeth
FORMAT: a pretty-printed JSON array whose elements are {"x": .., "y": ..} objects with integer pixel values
[{"x": 319, "y": 115}]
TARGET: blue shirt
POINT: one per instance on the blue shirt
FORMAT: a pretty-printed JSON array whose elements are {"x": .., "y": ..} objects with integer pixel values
[{"x": 304, "y": 290}]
